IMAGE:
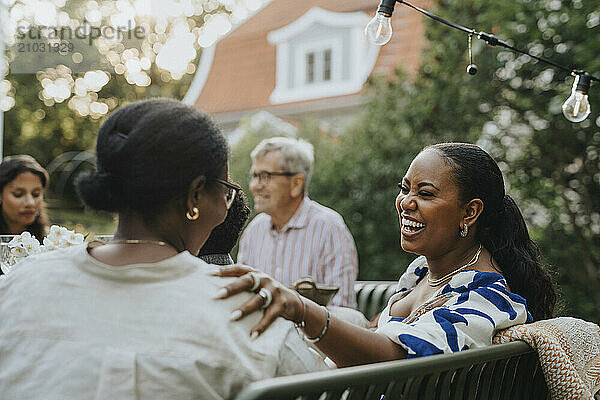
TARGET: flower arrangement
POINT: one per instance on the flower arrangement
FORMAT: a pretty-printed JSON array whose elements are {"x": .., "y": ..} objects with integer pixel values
[{"x": 25, "y": 244}]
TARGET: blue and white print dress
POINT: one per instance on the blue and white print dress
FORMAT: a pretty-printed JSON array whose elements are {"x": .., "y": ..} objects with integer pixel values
[{"x": 474, "y": 306}]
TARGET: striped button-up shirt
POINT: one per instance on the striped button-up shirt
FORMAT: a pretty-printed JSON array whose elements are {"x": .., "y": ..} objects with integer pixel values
[{"x": 315, "y": 242}]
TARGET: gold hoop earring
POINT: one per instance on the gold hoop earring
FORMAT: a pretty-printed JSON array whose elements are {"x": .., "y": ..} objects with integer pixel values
[
  {"x": 464, "y": 231},
  {"x": 193, "y": 217}
]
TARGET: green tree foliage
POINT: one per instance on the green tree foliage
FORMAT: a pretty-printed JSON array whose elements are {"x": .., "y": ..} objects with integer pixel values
[
  {"x": 46, "y": 131},
  {"x": 43, "y": 131},
  {"x": 551, "y": 163}
]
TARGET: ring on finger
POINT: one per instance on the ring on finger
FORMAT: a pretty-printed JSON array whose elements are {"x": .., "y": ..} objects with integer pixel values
[
  {"x": 267, "y": 296},
  {"x": 255, "y": 281}
]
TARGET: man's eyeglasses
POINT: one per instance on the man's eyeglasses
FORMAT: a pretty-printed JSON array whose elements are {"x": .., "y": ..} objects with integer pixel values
[
  {"x": 232, "y": 190},
  {"x": 264, "y": 177}
]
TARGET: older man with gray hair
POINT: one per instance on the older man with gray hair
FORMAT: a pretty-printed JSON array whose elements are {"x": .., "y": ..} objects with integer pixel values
[{"x": 294, "y": 237}]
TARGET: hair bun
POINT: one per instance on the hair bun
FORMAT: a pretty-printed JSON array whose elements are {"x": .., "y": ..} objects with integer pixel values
[
  {"x": 99, "y": 191},
  {"x": 147, "y": 154}
]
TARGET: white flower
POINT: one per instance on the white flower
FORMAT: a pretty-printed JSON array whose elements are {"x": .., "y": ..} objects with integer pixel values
[
  {"x": 58, "y": 234},
  {"x": 74, "y": 238},
  {"x": 19, "y": 252},
  {"x": 51, "y": 243},
  {"x": 32, "y": 246},
  {"x": 17, "y": 240},
  {"x": 25, "y": 244},
  {"x": 22, "y": 240}
]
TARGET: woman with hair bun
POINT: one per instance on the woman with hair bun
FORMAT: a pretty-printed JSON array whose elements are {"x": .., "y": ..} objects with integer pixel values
[
  {"x": 135, "y": 318},
  {"x": 477, "y": 272},
  {"x": 23, "y": 182}
]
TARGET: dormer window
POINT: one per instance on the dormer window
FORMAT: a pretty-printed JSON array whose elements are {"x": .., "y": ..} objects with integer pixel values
[{"x": 321, "y": 54}]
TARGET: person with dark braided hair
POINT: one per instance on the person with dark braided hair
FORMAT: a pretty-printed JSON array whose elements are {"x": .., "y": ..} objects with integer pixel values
[
  {"x": 477, "y": 273},
  {"x": 136, "y": 318}
]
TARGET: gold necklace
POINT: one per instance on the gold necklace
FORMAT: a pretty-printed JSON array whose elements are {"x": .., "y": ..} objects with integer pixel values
[
  {"x": 139, "y": 241},
  {"x": 443, "y": 279}
]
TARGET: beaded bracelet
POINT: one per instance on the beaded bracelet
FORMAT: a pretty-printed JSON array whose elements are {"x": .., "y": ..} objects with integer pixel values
[{"x": 324, "y": 331}]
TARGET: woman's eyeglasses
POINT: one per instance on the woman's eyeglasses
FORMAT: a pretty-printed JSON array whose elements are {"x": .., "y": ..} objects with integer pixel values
[{"x": 232, "y": 190}]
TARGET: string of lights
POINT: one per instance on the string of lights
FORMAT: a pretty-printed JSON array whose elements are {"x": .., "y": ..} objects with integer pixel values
[{"x": 576, "y": 108}]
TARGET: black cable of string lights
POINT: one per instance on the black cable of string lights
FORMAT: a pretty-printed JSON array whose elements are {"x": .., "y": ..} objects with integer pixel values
[{"x": 387, "y": 6}]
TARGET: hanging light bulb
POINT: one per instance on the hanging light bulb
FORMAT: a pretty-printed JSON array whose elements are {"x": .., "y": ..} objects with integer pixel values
[
  {"x": 379, "y": 29},
  {"x": 577, "y": 107}
]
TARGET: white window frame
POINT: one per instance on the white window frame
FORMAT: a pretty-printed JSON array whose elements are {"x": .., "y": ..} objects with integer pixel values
[
  {"x": 333, "y": 44},
  {"x": 360, "y": 54}
]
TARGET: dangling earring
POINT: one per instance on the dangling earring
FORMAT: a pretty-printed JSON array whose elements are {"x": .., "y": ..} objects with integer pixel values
[
  {"x": 464, "y": 231},
  {"x": 193, "y": 217}
]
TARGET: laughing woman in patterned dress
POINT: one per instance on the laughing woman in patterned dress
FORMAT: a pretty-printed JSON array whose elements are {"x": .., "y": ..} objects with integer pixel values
[{"x": 477, "y": 271}]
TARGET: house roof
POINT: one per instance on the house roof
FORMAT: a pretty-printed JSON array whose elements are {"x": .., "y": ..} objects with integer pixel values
[{"x": 242, "y": 74}]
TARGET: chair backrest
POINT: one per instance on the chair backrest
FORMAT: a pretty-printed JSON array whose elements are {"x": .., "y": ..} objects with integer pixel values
[
  {"x": 504, "y": 371},
  {"x": 372, "y": 296}
]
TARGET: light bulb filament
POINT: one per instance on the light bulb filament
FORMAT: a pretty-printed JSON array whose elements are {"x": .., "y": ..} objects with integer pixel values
[
  {"x": 577, "y": 106},
  {"x": 379, "y": 29}
]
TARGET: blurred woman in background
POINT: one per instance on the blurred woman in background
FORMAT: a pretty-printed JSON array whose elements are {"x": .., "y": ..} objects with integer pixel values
[{"x": 23, "y": 182}]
